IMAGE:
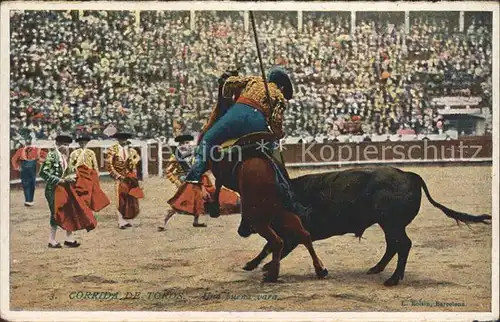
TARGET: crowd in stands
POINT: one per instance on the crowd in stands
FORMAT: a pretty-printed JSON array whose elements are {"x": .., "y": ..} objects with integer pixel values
[{"x": 152, "y": 73}]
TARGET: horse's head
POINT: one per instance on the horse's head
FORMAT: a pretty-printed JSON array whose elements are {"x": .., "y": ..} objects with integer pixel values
[{"x": 245, "y": 229}]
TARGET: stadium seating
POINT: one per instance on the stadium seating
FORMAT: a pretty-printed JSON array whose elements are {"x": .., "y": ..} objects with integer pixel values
[{"x": 157, "y": 76}]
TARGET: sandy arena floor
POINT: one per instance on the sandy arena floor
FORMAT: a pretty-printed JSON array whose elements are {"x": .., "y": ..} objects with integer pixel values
[{"x": 186, "y": 268}]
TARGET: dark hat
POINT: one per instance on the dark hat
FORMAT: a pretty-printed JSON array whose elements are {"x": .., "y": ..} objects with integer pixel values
[
  {"x": 64, "y": 138},
  {"x": 122, "y": 135},
  {"x": 281, "y": 78},
  {"x": 83, "y": 138},
  {"x": 184, "y": 138}
]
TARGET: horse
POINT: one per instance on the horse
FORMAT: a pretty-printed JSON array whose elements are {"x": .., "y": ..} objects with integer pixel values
[{"x": 252, "y": 175}]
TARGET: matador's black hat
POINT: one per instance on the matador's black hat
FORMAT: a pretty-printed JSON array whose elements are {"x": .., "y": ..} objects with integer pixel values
[
  {"x": 122, "y": 135},
  {"x": 184, "y": 138},
  {"x": 83, "y": 138},
  {"x": 64, "y": 138}
]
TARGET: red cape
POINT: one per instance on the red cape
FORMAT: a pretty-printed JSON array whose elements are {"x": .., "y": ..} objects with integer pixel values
[
  {"x": 88, "y": 188},
  {"x": 129, "y": 194},
  {"x": 188, "y": 199},
  {"x": 71, "y": 211}
]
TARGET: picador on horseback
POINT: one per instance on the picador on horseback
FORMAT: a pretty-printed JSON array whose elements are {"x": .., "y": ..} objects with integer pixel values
[
  {"x": 248, "y": 118},
  {"x": 243, "y": 116},
  {"x": 243, "y": 109},
  {"x": 250, "y": 113}
]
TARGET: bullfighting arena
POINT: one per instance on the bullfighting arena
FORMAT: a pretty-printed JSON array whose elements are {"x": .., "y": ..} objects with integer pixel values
[{"x": 200, "y": 269}]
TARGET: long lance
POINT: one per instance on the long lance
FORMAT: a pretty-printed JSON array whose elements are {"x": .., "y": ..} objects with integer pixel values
[
  {"x": 252, "y": 19},
  {"x": 268, "y": 95}
]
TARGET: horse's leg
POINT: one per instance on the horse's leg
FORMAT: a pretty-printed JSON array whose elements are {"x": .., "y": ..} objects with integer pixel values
[
  {"x": 276, "y": 245},
  {"x": 292, "y": 223},
  {"x": 287, "y": 249},
  {"x": 213, "y": 207},
  {"x": 251, "y": 265},
  {"x": 258, "y": 195}
]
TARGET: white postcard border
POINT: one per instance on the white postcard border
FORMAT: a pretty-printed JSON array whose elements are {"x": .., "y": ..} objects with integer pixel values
[{"x": 237, "y": 316}]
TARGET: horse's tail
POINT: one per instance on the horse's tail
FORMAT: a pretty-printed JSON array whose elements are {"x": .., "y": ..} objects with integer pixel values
[{"x": 458, "y": 216}]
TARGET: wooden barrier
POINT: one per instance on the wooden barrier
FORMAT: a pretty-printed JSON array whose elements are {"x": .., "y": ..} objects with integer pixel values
[
  {"x": 388, "y": 151},
  {"x": 467, "y": 149}
]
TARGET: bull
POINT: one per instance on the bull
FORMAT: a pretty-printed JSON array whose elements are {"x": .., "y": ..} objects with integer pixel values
[{"x": 350, "y": 201}]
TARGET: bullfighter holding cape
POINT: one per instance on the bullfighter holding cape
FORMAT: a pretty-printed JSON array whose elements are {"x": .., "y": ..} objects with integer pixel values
[
  {"x": 122, "y": 163},
  {"x": 188, "y": 199},
  {"x": 67, "y": 209},
  {"x": 84, "y": 164}
]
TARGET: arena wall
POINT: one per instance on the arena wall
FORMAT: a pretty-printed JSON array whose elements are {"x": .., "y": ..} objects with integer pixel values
[{"x": 466, "y": 150}]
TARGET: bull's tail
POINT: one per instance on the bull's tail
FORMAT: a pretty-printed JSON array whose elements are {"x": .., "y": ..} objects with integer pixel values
[{"x": 458, "y": 216}]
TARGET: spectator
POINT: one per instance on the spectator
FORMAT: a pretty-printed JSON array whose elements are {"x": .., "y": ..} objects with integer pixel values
[{"x": 98, "y": 69}]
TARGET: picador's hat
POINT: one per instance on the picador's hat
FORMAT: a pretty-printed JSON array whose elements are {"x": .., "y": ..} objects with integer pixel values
[
  {"x": 64, "y": 138},
  {"x": 184, "y": 138},
  {"x": 281, "y": 78}
]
